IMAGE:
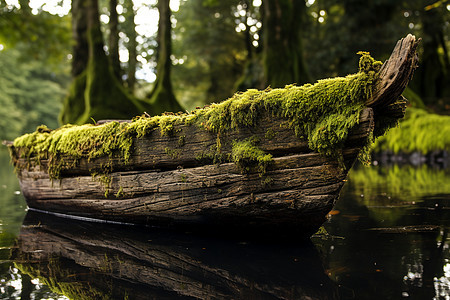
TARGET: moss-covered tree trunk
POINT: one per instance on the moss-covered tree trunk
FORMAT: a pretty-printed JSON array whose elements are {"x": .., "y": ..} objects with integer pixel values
[
  {"x": 74, "y": 102},
  {"x": 282, "y": 42},
  {"x": 95, "y": 92},
  {"x": 162, "y": 97}
]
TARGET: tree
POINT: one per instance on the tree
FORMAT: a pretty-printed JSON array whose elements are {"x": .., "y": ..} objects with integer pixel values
[
  {"x": 209, "y": 50},
  {"x": 129, "y": 28},
  {"x": 282, "y": 42},
  {"x": 33, "y": 68},
  {"x": 95, "y": 92},
  {"x": 432, "y": 77},
  {"x": 162, "y": 97},
  {"x": 47, "y": 36},
  {"x": 281, "y": 59},
  {"x": 113, "y": 39}
]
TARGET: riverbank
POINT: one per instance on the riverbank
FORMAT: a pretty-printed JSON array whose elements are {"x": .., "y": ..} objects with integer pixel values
[{"x": 421, "y": 138}]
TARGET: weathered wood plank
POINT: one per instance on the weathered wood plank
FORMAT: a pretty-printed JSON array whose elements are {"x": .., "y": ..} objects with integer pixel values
[
  {"x": 395, "y": 73},
  {"x": 157, "y": 151},
  {"x": 300, "y": 170}
]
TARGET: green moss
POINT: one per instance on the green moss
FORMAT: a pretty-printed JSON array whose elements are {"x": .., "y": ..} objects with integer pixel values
[
  {"x": 419, "y": 131},
  {"x": 69, "y": 143},
  {"x": 120, "y": 193},
  {"x": 172, "y": 153},
  {"x": 248, "y": 156},
  {"x": 321, "y": 113},
  {"x": 181, "y": 141},
  {"x": 183, "y": 178},
  {"x": 270, "y": 134}
]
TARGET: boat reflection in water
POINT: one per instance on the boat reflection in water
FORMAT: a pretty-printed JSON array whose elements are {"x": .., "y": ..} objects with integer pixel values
[{"x": 95, "y": 260}]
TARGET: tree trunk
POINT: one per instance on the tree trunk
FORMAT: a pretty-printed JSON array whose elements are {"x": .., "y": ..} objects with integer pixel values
[
  {"x": 74, "y": 102},
  {"x": 113, "y": 41},
  {"x": 162, "y": 97},
  {"x": 95, "y": 92},
  {"x": 432, "y": 77},
  {"x": 131, "y": 46},
  {"x": 281, "y": 60},
  {"x": 282, "y": 43}
]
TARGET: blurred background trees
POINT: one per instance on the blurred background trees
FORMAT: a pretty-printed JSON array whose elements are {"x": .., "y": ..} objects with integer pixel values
[{"x": 81, "y": 61}]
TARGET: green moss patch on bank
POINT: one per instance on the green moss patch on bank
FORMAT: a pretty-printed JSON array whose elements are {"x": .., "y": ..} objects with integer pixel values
[
  {"x": 322, "y": 114},
  {"x": 419, "y": 131}
]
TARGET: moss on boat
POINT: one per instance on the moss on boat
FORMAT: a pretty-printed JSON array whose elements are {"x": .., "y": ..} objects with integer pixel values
[{"x": 322, "y": 114}]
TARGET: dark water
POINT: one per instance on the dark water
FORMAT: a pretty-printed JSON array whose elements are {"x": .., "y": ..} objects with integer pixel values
[{"x": 386, "y": 239}]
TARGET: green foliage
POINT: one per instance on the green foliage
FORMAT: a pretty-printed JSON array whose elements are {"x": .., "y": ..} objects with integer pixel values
[
  {"x": 47, "y": 37},
  {"x": 345, "y": 27},
  {"x": 213, "y": 52},
  {"x": 337, "y": 29},
  {"x": 31, "y": 93},
  {"x": 419, "y": 131}
]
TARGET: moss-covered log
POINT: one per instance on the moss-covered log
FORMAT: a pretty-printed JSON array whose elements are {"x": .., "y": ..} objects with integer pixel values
[{"x": 267, "y": 159}]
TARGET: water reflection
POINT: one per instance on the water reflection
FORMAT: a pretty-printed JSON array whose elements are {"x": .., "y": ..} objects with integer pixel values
[
  {"x": 12, "y": 212},
  {"x": 92, "y": 261},
  {"x": 390, "y": 242},
  {"x": 387, "y": 239}
]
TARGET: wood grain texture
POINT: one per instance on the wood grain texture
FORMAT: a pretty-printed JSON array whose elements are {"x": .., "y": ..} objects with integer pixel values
[{"x": 395, "y": 73}]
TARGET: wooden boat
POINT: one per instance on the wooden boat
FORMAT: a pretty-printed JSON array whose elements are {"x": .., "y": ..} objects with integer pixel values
[
  {"x": 85, "y": 260},
  {"x": 262, "y": 161}
]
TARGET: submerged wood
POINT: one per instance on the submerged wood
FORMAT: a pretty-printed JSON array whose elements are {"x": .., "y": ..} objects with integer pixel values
[{"x": 175, "y": 179}]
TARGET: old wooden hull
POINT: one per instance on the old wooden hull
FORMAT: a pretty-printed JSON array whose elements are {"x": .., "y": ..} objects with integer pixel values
[{"x": 297, "y": 191}]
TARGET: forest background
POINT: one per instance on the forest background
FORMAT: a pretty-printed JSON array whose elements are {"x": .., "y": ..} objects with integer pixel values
[{"x": 83, "y": 60}]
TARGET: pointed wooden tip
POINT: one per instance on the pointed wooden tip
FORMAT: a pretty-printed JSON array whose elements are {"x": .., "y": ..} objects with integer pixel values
[{"x": 395, "y": 73}]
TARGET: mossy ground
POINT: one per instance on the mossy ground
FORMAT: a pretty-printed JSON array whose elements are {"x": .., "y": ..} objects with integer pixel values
[
  {"x": 419, "y": 131},
  {"x": 321, "y": 113}
]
